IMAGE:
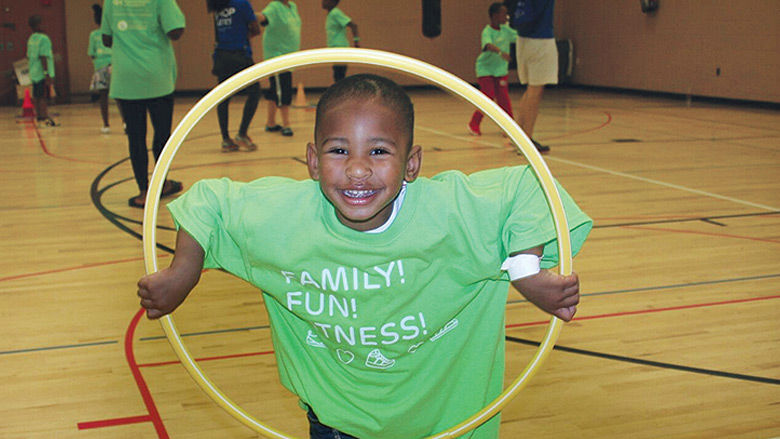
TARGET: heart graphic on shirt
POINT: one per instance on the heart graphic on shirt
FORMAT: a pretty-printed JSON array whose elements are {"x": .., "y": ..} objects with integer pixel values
[{"x": 346, "y": 357}]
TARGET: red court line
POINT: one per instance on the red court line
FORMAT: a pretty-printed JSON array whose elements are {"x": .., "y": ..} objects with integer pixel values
[
  {"x": 114, "y": 422},
  {"x": 692, "y": 232},
  {"x": 220, "y": 357},
  {"x": 48, "y": 153},
  {"x": 78, "y": 267},
  {"x": 649, "y": 311},
  {"x": 154, "y": 415}
]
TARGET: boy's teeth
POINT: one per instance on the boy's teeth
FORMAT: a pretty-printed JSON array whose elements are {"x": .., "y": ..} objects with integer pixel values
[{"x": 358, "y": 193}]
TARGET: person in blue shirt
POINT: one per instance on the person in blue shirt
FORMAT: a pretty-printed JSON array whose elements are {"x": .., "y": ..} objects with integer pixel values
[
  {"x": 537, "y": 57},
  {"x": 234, "y": 24}
]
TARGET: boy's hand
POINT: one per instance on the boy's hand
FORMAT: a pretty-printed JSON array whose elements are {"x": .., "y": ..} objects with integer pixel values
[
  {"x": 161, "y": 292},
  {"x": 552, "y": 293}
]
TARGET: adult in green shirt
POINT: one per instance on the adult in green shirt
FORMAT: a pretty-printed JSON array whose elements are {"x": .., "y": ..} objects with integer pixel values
[
  {"x": 40, "y": 60},
  {"x": 282, "y": 34},
  {"x": 386, "y": 292},
  {"x": 101, "y": 59},
  {"x": 144, "y": 77},
  {"x": 336, "y": 24}
]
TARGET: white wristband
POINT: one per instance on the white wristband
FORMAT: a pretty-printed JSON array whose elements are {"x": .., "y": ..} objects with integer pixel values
[{"x": 522, "y": 265}]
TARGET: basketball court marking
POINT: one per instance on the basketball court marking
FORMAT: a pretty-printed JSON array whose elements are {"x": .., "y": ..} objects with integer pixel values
[{"x": 618, "y": 173}]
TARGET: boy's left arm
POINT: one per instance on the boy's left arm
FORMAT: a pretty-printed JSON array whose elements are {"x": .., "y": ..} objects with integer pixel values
[{"x": 552, "y": 293}]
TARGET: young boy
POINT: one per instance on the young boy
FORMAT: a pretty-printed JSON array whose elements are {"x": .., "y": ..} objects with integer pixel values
[
  {"x": 492, "y": 64},
  {"x": 385, "y": 291},
  {"x": 282, "y": 35},
  {"x": 336, "y": 24},
  {"x": 41, "y": 64}
]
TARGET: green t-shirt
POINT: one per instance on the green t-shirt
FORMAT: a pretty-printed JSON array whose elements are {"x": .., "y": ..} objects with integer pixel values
[
  {"x": 100, "y": 54},
  {"x": 490, "y": 63},
  {"x": 393, "y": 334},
  {"x": 283, "y": 32},
  {"x": 143, "y": 62},
  {"x": 39, "y": 45},
  {"x": 336, "y": 28}
]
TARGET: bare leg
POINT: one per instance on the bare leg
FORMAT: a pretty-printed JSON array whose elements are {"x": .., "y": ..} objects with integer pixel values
[
  {"x": 104, "y": 106},
  {"x": 285, "y": 110},
  {"x": 529, "y": 108},
  {"x": 271, "y": 120}
]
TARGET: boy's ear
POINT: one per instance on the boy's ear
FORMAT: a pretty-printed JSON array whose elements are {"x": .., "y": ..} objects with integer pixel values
[
  {"x": 312, "y": 161},
  {"x": 413, "y": 163}
]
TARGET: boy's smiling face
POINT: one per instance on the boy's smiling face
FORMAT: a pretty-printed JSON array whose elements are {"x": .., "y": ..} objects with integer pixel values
[{"x": 361, "y": 158}]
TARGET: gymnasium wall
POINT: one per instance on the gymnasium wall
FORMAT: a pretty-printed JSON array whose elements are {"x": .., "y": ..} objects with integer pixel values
[{"x": 677, "y": 50}]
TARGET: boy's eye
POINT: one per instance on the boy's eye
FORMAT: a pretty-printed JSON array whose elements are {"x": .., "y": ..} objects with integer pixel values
[
  {"x": 379, "y": 151},
  {"x": 337, "y": 150}
]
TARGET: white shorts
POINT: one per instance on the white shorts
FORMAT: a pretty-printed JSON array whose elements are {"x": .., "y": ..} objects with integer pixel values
[
  {"x": 101, "y": 79},
  {"x": 537, "y": 61}
]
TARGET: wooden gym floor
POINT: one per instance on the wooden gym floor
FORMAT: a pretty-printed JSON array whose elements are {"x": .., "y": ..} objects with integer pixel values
[{"x": 677, "y": 334}]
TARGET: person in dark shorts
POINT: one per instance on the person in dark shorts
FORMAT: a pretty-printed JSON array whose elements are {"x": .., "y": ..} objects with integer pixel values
[
  {"x": 282, "y": 35},
  {"x": 41, "y": 65},
  {"x": 234, "y": 24}
]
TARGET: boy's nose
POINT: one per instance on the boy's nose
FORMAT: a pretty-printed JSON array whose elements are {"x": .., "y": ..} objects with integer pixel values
[{"x": 358, "y": 169}]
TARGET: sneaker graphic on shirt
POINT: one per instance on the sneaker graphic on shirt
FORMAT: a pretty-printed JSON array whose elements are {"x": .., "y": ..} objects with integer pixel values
[
  {"x": 313, "y": 340},
  {"x": 452, "y": 324},
  {"x": 378, "y": 361},
  {"x": 413, "y": 348},
  {"x": 345, "y": 357}
]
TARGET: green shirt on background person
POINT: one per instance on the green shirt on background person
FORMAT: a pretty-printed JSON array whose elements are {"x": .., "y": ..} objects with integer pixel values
[
  {"x": 336, "y": 28},
  {"x": 283, "y": 33},
  {"x": 491, "y": 63},
  {"x": 39, "y": 45},
  {"x": 144, "y": 64},
  {"x": 100, "y": 54}
]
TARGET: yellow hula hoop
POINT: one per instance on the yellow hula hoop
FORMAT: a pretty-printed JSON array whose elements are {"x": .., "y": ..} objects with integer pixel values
[{"x": 375, "y": 58}]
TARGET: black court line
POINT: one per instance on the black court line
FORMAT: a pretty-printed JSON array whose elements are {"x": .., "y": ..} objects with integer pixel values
[
  {"x": 650, "y": 363},
  {"x": 96, "y": 196},
  {"x": 708, "y": 219},
  {"x": 53, "y": 348},
  {"x": 212, "y": 332},
  {"x": 671, "y": 286}
]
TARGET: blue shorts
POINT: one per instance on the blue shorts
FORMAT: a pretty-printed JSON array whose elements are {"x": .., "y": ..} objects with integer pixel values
[{"x": 318, "y": 430}]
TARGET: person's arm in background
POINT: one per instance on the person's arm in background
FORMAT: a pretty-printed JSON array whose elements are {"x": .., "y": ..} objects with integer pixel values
[{"x": 355, "y": 37}]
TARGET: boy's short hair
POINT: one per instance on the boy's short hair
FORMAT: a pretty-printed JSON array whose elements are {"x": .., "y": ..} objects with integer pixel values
[
  {"x": 369, "y": 86},
  {"x": 34, "y": 21},
  {"x": 494, "y": 8}
]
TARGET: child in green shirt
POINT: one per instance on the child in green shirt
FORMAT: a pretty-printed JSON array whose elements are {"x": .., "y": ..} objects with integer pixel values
[
  {"x": 282, "y": 35},
  {"x": 386, "y": 291},
  {"x": 492, "y": 64},
  {"x": 336, "y": 24},
  {"x": 101, "y": 59},
  {"x": 41, "y": 64}
]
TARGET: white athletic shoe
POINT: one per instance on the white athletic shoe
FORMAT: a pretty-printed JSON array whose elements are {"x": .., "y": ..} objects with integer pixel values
[{"x": 105, "y": 130}]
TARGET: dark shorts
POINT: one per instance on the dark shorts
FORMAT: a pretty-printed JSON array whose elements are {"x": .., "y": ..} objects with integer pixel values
[
  {"x": 283, "y": 96},
  {"x": 39, "y": 89},
  {"x": 229, "y": 62},
  {"x": 317, "y": 430}
]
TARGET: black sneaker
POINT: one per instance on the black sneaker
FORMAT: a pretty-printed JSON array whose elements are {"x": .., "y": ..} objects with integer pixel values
[
  {"x": 273, "y": 129},
  {"x": 287, "y": 131},
  {"x": 540, "y": 147}
]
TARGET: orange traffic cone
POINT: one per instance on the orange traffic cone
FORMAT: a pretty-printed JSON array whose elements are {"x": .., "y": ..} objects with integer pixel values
[
  {"x": 300, "y": 97},
  {"x": 28, "y": 109}
]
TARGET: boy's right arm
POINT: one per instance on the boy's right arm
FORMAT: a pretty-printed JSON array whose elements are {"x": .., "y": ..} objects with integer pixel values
[{"x": 163, "y": 291}]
